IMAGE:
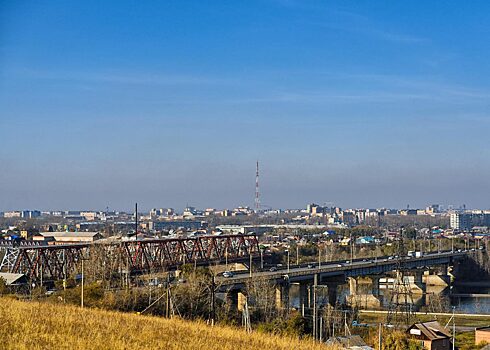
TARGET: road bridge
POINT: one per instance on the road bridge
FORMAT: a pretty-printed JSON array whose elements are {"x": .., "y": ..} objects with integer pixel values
[
  {"x": 356, "y": 268},
  {"x": 332, "y": 274}
]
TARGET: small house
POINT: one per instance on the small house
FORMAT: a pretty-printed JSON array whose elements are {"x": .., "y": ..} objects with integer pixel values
[
  {"x": 482, "y": 334},
  {"x": 431, "y": 334}
]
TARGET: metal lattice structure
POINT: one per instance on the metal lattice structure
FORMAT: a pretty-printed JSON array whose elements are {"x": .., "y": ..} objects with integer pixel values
[
  {"x": 138, "y": 256},
  {"x": 257, "y": 193},
  {"x": 159, "y": 254},
  {"x": 400, "y": 309}
]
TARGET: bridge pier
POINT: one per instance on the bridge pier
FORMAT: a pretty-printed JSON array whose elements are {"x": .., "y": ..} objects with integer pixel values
[
  {"x": 303, "y": 296},
  {"x": 282, "y": 296},
  {"x": 365, "y": 299},
  {"x": 241, "y": 300},
  {"x": 375, "y": 285},
  {"x": 437, "y": 276},
  {"x": 332, "y": 292},
  {"x": 231, "y": 298},
  {"x": 418, "y": 284},
  {"x": 352, "y": 285}
]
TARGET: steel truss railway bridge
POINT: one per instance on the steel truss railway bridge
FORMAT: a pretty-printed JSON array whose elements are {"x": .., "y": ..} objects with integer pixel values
[{"x": 54, "y": 262}]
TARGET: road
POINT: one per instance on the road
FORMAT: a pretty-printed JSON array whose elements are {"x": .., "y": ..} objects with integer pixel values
[{"x": 357, "y": 267}]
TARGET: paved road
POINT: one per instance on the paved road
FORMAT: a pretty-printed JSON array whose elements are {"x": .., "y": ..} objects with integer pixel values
[{"x": 332, "y": 267}]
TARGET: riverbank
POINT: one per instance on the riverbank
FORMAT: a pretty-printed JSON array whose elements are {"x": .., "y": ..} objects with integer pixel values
[{"x": 465, "y": 322}]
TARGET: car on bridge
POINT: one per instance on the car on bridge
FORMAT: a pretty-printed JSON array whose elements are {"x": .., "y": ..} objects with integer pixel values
[{"x": 228, "y": 274}]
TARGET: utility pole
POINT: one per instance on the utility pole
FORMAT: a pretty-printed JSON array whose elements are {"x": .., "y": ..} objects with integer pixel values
[
  {"x": 64, "y": 277},
  {"x": 319, "y": 256},
  {"x": 167, "y": 301},
  {"x": 287, "y": 250},
  {"x": 213, "y": 301},
  {"x": 314, "y": 312},
  {"x": 81, "y": 300},
  {"x": 261, "y": 259},
  {"x": 226, "y": 258},
  {"x": 315, "y": 326},
  {"x": 42, "y": 272},
  {"x": 454, "y": 329},
  {"x": 380, "y": 342},
  {"x": 321, "y": 329},
  {"x": 136, "y": 220},
  {"x": 297, "y": 254},
  {"x": 351, "y": 249},
  {"x": 250, "y": 266}
]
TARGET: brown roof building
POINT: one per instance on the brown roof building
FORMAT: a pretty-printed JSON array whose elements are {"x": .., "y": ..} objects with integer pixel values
[
  {"x": 431, "y": 334},
  {"x": 482, "y": 334}
]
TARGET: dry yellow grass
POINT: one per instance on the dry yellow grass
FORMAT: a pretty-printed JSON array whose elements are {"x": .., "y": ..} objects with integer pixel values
[{"x": 33, "y": 325}]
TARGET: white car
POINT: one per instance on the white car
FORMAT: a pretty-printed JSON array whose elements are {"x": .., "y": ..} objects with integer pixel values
[{"x": 227, "y": 274}]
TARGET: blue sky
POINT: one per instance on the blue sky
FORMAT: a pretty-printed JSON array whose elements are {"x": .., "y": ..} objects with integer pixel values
[{"x": 168, "y": 103}]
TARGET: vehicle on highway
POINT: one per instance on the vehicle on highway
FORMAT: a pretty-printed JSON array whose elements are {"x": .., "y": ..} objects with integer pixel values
[
  {"x": 227, "y": 274},
  {"x": 347, "y": 261},
  {"x": 273, "y": 269},
  {"x": 356, "y": 323},
  {"x": 310, "y": 266}
]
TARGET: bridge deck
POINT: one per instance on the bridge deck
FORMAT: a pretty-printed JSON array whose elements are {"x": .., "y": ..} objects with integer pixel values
[{"x": 342, "y": 268}]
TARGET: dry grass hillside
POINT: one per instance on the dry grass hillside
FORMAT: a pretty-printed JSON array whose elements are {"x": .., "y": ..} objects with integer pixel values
[{"x": 33, "y": 325}]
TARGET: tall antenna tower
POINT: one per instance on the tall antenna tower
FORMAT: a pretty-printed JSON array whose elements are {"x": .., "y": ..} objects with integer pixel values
[
  {"x": 257, "y": 194},
  {"x": 401, "y": 303}
]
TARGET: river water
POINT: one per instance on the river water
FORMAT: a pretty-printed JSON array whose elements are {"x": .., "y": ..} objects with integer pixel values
[{"x": 471, "y": 305}]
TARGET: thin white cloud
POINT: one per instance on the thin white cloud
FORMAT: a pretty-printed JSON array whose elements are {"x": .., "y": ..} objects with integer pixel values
[
  {"x": 143, "y": 78},
  {"x": 348, "y": 21}
]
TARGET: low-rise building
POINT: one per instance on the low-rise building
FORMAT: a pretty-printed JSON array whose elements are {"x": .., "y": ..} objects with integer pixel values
[
  {"x": 482, "y": 335},
  {"x": 71, "y": 237},
  {"x": 431, "y": 334},
  {"x": 12, "y": 214}
]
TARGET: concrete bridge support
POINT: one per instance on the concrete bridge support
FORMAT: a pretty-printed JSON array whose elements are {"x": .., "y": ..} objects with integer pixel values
[
  {"x": 418, "y": 286},
  {"x": 352, "y": 285},
  {"x": 282, "y": 296},
  {"x": 231, "y": 298},
  {"x": 303, "y": 296},
  {"x": 235, "y": 299},
  {"x": 437, "y": 277},
  {"x": 375, "y": 285},
  {"x": 362, "y": 300},
  {"x": 241, "y": 300},
  {"x": 332, "y": 292}
]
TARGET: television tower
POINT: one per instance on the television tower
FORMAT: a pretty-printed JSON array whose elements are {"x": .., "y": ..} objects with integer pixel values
[{"x": 257, "y": 194}]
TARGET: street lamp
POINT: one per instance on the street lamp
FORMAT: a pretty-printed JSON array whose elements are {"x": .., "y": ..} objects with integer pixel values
[
  {"x": 250, "y": 267},
  {"x": 351, "y": 249},
  {"x": 81, "y": 300},
  {"x": 287, "y": 251},
  {"x": 226, "y": 258},
  {"x": 261, "y": 258},
  {"x": 83, "y": 279},
  {"x": 297, "y": 254}
]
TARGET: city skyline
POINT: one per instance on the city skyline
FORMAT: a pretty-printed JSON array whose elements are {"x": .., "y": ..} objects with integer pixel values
[{"x": 361, "y": 104}]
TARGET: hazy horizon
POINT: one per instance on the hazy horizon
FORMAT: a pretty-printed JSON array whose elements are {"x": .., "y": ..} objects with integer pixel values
[{"x": 358, "y": 103}]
